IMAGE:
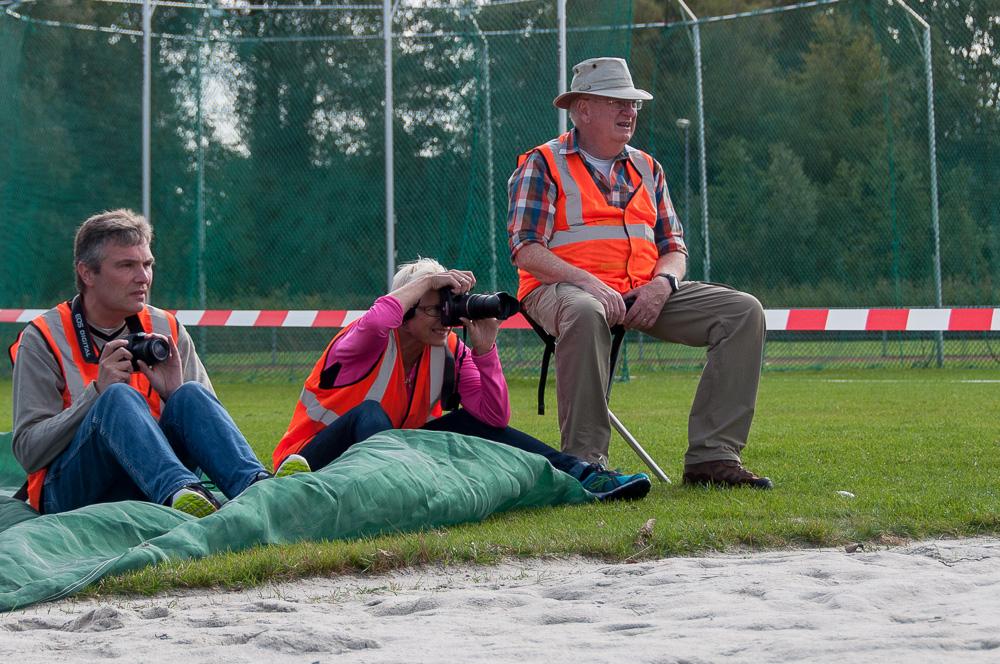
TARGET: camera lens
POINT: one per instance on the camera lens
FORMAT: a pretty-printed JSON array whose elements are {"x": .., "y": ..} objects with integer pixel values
[
  {"x": 151, "y": 350},
  {"x": 490, "y": 306},
  {"x": 454, "y": 307},
  {"x": 155, "y": 351}
]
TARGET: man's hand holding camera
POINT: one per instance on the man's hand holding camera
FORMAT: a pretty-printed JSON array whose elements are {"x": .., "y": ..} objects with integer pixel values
[
  {"x": 165, "y": 376},
  {"x": 114, "y": 365},
  {"x": 117, "y": 364}
]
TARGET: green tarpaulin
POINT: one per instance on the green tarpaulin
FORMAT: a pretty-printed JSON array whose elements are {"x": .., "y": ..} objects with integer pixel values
[{"x": 394, "y": 482}]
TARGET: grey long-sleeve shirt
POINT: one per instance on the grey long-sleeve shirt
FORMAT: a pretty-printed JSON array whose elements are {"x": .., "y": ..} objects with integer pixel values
[{"x": 42, "y": 428}]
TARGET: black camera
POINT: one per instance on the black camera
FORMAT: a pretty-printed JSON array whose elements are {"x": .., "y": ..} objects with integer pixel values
[
  {"x": 455, "y": 306},
  {"x": 151, "y": 350}
]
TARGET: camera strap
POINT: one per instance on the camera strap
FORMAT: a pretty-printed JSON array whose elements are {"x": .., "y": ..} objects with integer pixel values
[
  {"x": 81, "y": 330},
  {"x": 450, "y": 398},
  {"x": 134, "y": 324}
]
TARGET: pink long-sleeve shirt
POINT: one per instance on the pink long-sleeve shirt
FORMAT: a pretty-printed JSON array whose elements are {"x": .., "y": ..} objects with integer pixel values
[{"x": 481, "y": 382}]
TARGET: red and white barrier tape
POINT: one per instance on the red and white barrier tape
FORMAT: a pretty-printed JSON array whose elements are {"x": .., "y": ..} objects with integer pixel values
[
  {"x": 803, "y": 320},
  {"x": 903, "y": 320}
]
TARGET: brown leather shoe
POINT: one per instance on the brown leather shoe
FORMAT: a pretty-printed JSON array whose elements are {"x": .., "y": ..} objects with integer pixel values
[{"x": 724, "y": 472}]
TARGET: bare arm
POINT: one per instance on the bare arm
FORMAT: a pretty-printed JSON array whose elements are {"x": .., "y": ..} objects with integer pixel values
[
  {"x": 550, "y": 269},
  {"x": 182, "y": 366}
]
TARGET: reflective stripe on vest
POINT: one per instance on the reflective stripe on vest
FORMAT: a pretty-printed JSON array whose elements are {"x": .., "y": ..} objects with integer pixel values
[
  {"x": 319, "y": 413},
  {"x": 56, "y": 325},
  {"x": 571, "y": 189},
  {"x": 319, "y": 407},
  {"x": 627, "y": 253},
  {"x": 63, "y": 344},
  {"x": 163, "y": 325},
  {"x": 583, "y": 233}
]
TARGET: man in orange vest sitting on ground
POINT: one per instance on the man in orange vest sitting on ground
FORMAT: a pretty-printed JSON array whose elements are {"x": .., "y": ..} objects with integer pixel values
[
  {"x": 111, "y": 401},
  {"x": 591, "y": 227}
]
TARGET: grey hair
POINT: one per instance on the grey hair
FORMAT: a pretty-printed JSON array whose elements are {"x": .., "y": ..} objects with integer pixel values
[
  {"x": 412, "y": 271},
  {"x": 574, "y": 112},
  {"x": 121, "y": 227}
]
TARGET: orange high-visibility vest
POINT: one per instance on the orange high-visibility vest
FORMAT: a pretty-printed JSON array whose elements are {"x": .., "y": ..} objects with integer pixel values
[
  {"x": 56, "y": 325},
  {"x": 385, "y": 382},
  {"x": 615, "y": 245}
]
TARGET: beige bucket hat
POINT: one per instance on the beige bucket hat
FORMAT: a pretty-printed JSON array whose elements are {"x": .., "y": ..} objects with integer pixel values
[{"x": 601, "y": 77}]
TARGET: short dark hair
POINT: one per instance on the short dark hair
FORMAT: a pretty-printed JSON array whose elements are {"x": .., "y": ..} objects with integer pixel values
[{"x": 121, "y": 227}]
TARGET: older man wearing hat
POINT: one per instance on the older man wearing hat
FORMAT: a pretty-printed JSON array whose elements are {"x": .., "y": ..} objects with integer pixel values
[{"x": 592, "y": 227}]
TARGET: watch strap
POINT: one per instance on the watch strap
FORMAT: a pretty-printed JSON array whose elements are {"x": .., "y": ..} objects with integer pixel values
[{"x": 672, "y": 280}]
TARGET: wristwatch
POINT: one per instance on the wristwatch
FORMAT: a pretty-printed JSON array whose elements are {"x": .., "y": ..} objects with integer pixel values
[{"x": 675, "y": 285}]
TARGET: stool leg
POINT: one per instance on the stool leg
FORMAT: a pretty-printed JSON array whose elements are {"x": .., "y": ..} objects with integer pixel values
[{"x": 637, "y": 448}]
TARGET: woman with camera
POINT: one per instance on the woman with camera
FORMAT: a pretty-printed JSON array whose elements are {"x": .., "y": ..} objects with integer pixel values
[{"x": 399, "y": 367}]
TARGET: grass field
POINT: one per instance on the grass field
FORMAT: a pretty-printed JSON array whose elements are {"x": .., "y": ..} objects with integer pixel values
[
  {"x": 521, "y": 353},
  {"x": 915, "y": 449}
]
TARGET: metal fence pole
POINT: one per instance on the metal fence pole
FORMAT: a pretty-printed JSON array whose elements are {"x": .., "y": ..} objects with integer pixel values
[
  {"x": 561, "y": 19},
  {"x": 701, "y": 153},
  {"x": 147, "y": 51},
  {"x": 696, "y": 37},
  {"x": 491, "y": 214},
  {"x": 200, "y": 232},
  {"x": 685, "y": 125},
  {"x": 390, "y": 211},
  {"x": 932, "y": 149}
]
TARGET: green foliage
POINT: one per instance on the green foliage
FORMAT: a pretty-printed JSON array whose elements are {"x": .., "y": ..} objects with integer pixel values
[
  {"x": 817, "y": 155},
  {"x": 268, "y": 148}
]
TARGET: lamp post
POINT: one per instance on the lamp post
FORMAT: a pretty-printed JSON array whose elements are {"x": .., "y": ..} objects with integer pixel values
[{"x": 684, "y": 124}]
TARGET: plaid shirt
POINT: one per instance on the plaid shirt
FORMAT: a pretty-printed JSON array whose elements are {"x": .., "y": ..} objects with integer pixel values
[{"x": 532, "y": 211}]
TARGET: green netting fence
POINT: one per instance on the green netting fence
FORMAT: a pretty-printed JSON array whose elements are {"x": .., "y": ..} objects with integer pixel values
[{"x": 806, "y": 172}]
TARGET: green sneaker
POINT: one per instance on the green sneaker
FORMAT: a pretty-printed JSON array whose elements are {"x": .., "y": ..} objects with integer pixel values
[
  {"x": 292, "y": 465},
  {"x": 196, "y": 500}
]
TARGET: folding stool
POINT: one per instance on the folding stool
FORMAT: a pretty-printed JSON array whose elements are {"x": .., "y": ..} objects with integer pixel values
[{"x": 619, "y": 336}]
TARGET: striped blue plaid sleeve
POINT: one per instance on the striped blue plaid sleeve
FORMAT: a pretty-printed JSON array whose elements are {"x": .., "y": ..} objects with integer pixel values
[
  {"x": 532, "y": 209},
  {"x": 668, "y": 232}
]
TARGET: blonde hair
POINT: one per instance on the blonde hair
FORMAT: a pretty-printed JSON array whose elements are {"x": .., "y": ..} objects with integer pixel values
[{"x": 412, "y": 271}]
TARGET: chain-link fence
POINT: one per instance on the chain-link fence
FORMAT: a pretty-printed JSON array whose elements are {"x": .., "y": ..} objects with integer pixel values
[{"x": 805, "y": 172}]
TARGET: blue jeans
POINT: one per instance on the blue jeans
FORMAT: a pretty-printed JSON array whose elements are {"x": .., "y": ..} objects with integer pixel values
[
  {"x": 368, "y": 418},
  {"x": 120, "y": 451}
]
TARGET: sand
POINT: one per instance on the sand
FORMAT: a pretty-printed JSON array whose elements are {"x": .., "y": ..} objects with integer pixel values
[{"x": 935, "y": 601}]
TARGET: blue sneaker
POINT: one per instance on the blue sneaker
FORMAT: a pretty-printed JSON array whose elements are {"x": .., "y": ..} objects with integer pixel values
[{"x": 609, "y": 484}]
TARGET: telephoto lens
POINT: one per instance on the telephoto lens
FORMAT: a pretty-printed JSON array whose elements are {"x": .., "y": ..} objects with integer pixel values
[
  {"x": 151, "y": 350},
  {"x": 455, "y": 307}
]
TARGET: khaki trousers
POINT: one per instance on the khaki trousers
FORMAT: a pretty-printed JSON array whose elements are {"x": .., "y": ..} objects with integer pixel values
[{"x": 729, "y": 323}]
